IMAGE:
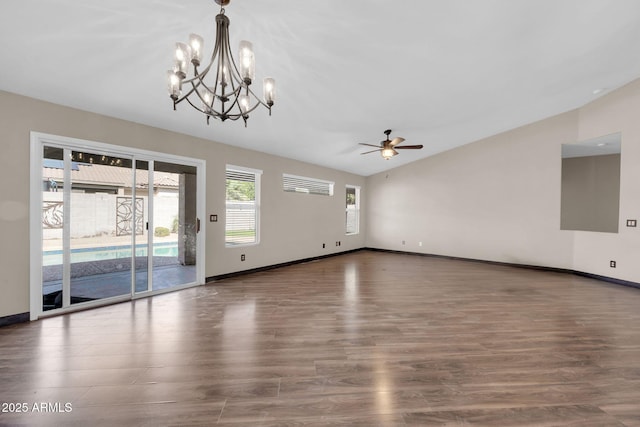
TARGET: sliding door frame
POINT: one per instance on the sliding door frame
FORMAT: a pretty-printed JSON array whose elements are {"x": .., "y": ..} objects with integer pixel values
[{"x": 38, "y": 142}]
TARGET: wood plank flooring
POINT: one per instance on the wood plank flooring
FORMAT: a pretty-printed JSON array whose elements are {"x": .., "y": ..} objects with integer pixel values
[{"x": 363, "y": 339}]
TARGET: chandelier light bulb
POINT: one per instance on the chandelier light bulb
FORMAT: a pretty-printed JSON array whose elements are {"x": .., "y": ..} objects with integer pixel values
[
  {"x": 244, "y": 102},
  {"x": 174, "y": 84},
  {"x": 247, "y": 62},
  {"x": 207, "y": 99},
  {"x": 182, "y": 58},
  {"x": 224, "y": 75},
  {"x": 269, "y": 87},
  {"x": 196, "y": 43}
]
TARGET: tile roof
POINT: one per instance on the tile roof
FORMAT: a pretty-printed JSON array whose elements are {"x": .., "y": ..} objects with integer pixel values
[{"x": 111, "y": 176}]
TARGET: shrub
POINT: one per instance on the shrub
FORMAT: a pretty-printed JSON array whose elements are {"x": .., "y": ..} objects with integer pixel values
[{"x": 161, "y": 232}]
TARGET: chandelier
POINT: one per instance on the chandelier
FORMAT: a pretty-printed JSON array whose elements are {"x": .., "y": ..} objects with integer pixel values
[{"x": 222, "y": 89}]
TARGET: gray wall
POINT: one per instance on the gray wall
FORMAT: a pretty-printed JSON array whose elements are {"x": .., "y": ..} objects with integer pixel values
[{"x": 590, "y": 193}]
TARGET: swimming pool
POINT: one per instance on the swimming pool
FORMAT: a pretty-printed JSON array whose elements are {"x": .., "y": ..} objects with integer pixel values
[{"x": 165, "y": 249}]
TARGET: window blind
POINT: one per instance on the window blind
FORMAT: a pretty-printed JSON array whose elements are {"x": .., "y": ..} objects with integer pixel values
[{"x": 302, "y": 184}]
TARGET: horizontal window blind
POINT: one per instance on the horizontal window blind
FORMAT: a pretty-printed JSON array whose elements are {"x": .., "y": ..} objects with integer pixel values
[
  {"x": 302, "y": 184},
  {"x": 243, "y": 176}
]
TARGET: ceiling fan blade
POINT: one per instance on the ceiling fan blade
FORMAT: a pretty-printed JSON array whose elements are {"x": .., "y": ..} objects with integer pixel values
[
  {"x": 372, "y": 151},
  {"x": 395, "y": 141},
  {"x": 410, "y": 147},
  {"x": 369, "y": 145}
]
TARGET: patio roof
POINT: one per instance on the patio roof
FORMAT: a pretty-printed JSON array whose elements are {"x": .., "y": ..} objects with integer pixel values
[{"x": 110, "y": 176}]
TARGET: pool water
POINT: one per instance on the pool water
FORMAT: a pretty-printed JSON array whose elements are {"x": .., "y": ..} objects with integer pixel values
[{"x": 167, "y": 249}]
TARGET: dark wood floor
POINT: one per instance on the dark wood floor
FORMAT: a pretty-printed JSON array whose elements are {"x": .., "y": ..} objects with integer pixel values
[{"x": 364, "y": 339}]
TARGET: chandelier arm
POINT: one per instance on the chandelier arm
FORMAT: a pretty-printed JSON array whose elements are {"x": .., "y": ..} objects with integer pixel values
[
  {"x": 228, "y": 112},
  {"x": 200, "y": 76},
  {"x": 219, "y": 52},
  {"x": 196, "y": 107},
  {"x": 237, "y": 74},
  {"x": 257, "y": 98},
  {"x": 235, "y": 92},
  {"x": 235, "y": 78},
  {"x": 226, "y": 47},
  {"x": 246, "y": 113},
  {"x": 199, "y": 94},
  {"x": 194, "y": 87},
  {"x": 232, "y": 73},
  {"x": 256, "y": 105},
  {"x": 213, "y": 113},
  {"x": 185, "y": 96},
  {"x": 235, "y": 81}
]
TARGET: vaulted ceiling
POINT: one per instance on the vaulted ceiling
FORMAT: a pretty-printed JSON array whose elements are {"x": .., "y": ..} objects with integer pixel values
[{"x": 442, "y": 73}]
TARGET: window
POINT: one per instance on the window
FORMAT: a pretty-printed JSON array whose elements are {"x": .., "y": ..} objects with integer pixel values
[
  {"x": 243, "y": 206},
  {"x": 301, "y": 184},
  {"x": 353, "y": 210}
]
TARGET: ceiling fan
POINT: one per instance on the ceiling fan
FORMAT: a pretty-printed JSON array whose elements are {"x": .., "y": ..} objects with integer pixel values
[{"x": 388, "y": 147}]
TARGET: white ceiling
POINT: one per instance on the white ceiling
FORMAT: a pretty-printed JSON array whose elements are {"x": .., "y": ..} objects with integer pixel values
[
  {"x": 600, "y": 146},
  {"x": 437, "y": 72}
]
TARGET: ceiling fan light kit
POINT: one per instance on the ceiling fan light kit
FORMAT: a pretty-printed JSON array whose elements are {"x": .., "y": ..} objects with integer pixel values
[
  {"x": 388, "y": 147},
  {"x": 222, "y": 89}
]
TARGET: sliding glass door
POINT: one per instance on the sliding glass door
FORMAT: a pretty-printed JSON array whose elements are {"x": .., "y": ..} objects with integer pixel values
[
  {"x": 54, "y": 257},
  {"x": 99, "y": 235},
  {"x": 175, "y": 225},
  {"x": 113, "y": 225},
  {"x": 141, "y": 237},
  {"x": 170, "y": 230}
]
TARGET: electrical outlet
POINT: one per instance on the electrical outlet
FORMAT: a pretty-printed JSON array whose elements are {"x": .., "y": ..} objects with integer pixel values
[
  {"x": 403, "y": 242},
  {"x": 612, "y": 264},
  {"x": 631, "y": 223},
  {"x": 242, "y": 257},
  {"x": 419, "y": 243},
  {"x": 213, "y": 218},
  {"x": 323, "y": 246}
]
